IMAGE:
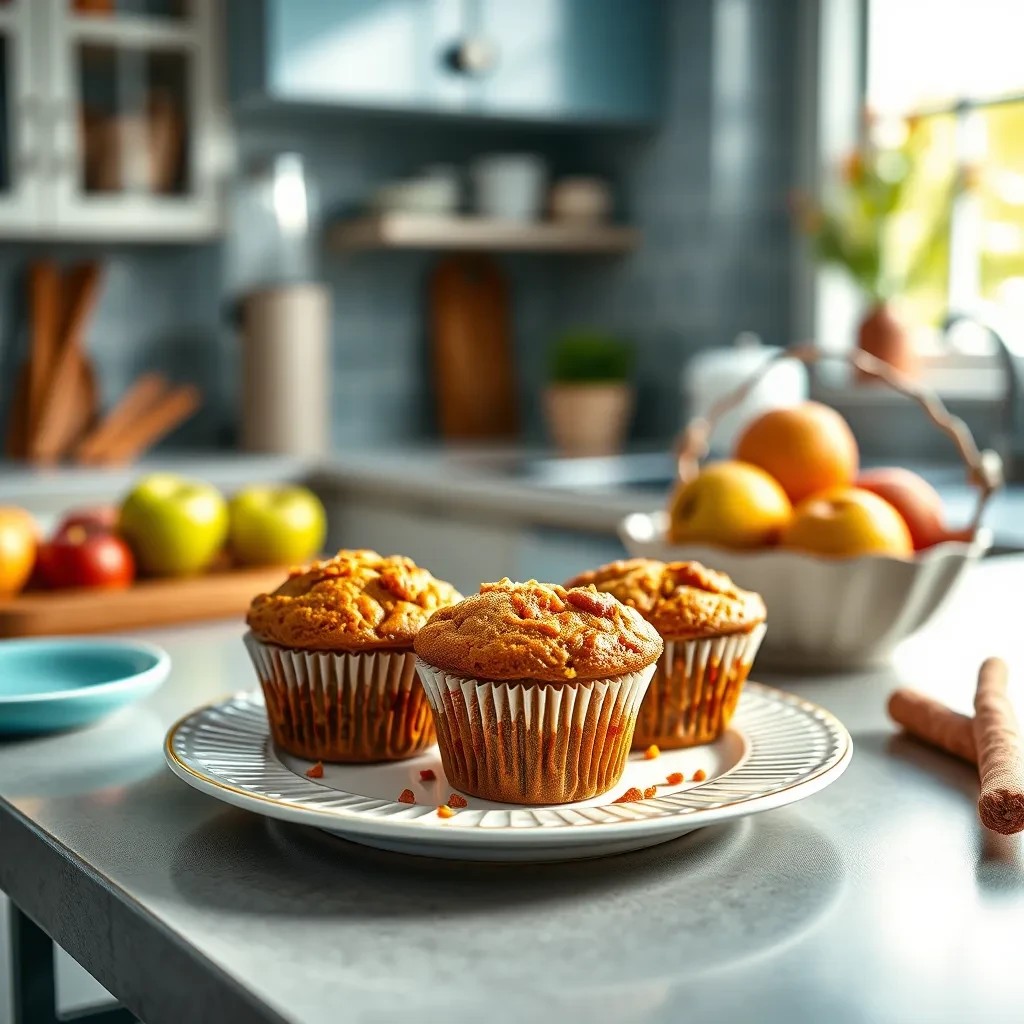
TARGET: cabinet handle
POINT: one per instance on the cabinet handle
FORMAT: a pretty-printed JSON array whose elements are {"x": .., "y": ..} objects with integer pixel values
[{"x": 473, "y": 56}]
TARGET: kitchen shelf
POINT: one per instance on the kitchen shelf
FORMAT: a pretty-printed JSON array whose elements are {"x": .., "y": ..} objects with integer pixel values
[
  {"x": 421, "y": 231},
  {"x": 134, "y": 30}
]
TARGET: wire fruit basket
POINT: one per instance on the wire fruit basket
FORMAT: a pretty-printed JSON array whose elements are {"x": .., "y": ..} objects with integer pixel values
[{"x": 825, "y": 612}]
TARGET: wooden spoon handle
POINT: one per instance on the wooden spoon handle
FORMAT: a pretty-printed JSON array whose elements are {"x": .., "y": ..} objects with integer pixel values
[
  {"x": 142, "y": 395},
  {"x": 44, "y": 312},
  {"x": 169, "y": 411},
  {"x": 61, "y": 413}
]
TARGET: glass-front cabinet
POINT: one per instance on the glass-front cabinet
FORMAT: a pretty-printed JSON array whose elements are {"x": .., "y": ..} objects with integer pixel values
[
  {"x": 19, "y": 156},
  {"x": 111, "y": 120}
]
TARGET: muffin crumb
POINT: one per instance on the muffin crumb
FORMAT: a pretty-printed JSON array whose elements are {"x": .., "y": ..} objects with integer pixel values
[
  {"x": 675, "y": 779},
  {"x": 316, "y": 772},
  {"x": 652, "y": 752},
  {"x": 407, "y": 797},
  {"x": 456, "y": 800},
  {"x": 650, "y": 791},
  {"x": 630, "y": 796},
  {"x": 699, "y": 775},
  {"x": 427, "y": 775}
]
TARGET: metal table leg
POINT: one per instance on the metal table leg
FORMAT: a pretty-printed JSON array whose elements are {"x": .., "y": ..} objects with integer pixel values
[{"x": 32, "y": 975}]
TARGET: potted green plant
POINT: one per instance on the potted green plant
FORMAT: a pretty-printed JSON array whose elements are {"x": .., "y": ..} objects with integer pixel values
[
  {"x": 885, "y": 221},
  {"x": 589, "y": 400}
]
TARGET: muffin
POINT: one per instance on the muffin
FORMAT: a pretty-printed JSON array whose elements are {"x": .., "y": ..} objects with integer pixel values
[
  {"x": 535, "y": 690},
  {"x": 712, "y": 630},
  {"x": 333, "y": 651}
]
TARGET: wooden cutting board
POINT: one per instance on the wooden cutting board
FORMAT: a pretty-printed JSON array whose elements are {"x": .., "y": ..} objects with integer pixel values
[
  {"x": 215, "y": 595},
  {"x": 474, "y": 372}
]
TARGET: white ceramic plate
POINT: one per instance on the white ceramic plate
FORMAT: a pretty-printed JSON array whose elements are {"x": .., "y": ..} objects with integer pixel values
[{"x": 780, "y": 749}]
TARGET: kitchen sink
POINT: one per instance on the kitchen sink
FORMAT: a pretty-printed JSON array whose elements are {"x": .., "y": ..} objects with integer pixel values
[{"x": 635, "y": 471}]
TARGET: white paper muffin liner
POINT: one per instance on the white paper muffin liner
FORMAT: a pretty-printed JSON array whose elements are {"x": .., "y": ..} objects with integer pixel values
[
  {"x": 695, "y": 689},
  {"x": 533, "y": 742},
  {"x": 343, "y": 706}
]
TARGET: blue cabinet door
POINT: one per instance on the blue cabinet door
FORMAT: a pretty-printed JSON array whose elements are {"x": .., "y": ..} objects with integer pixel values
[
  {"x": 364, "y": 53},
  {"x": 551, "y": 60},
  {"x": 572, "y": 60}
]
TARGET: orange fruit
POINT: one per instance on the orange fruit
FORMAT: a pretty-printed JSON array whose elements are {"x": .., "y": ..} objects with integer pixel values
[
  {"x": 19, "y": 538},
  {"x": 730, "y": 504},
  {"x": 845, "y": 522},
  {"x": 807, "y": 448},
  {"x": 914, "y": 498}
]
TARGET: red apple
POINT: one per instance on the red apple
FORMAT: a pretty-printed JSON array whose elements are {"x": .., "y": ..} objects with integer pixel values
[
  {"x": 101, "y": 516},
  {"x": 83, "y": 556},
  {"x": 914, "y": 498}
]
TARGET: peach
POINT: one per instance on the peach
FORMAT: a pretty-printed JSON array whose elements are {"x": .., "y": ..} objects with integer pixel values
[
  {"x": 729, "y": 504},
  {"x": 845, "y": 522},
  {"x": 914, "y": 498},
  {"x": 808, "y": 448}
]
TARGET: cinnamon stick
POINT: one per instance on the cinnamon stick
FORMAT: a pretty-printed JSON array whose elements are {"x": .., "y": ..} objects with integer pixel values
[
  {"x": 140, "y": 397},
  {"x": 1000, "y": 754},
  {"x": 44, "y": 311},
  {"x": 61, "y": 413},
  {"x": 930, "y": 720},
  {"x": 168, "y": 412}
]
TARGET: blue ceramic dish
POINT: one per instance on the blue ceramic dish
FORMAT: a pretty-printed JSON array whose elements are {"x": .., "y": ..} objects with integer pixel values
[{"x": 62, "y": 683}]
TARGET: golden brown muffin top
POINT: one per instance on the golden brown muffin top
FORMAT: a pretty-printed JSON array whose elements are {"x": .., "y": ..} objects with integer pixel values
[
  {"x": 538, "y": 631},
  {"x": 357, "y": 600},
  {"x": 682, "y": 600}
]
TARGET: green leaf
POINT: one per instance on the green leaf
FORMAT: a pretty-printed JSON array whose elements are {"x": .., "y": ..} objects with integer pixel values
[{"x": 586, "y": 356}]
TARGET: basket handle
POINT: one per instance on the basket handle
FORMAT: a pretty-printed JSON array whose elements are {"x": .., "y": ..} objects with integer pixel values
[{"x": 984, "y": 468}]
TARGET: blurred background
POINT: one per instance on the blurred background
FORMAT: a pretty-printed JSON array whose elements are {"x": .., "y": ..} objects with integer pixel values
[{"x": 651, "y": 173}]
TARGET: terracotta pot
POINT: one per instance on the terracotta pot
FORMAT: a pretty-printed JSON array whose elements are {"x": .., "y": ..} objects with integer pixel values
[
  {"x": 884, "y": 335},
  {"x": 588, "y": 419}
]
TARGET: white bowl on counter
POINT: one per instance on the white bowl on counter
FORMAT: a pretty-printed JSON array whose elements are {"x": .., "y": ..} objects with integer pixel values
[{"x": 825, "y": 613}]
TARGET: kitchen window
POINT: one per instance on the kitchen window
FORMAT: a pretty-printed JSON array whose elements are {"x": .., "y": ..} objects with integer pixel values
[
  {"x": 952, "y": 69},
  {"x": 955, "y": 65}
]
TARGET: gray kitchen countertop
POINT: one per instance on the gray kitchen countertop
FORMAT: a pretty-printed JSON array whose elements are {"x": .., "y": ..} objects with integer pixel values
[{"x": 878, "y": 899}]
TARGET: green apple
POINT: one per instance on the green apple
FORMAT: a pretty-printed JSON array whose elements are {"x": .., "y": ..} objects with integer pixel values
[
  {"x": 175, "y": 526},
  {"x": 276, "y": 525}
]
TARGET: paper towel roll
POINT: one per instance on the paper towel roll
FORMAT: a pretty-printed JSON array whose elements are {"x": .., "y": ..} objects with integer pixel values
[{"x": 286, "y": 374}]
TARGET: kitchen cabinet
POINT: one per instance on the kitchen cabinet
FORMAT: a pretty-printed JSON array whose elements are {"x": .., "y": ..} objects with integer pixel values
[
  {"x": 19, "y": 184},
  {"x": 589, "y": 60},
  {"x": 597, "y": 61},
  {"x": 111, "y": 122},
  {"x": 356, "y": 52}
]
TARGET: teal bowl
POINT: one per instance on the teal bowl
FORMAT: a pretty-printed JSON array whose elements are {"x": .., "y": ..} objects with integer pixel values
[{"x": 64, "y": 683}]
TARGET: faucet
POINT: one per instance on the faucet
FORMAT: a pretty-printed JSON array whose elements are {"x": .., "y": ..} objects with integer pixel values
[{"x": 1011, "y": 442}]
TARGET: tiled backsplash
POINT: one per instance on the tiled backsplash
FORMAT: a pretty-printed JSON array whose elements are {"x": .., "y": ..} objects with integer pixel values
[
  {"x": 707, "y": 189},
  {"x": 709, "y": 193}
]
